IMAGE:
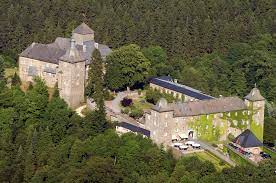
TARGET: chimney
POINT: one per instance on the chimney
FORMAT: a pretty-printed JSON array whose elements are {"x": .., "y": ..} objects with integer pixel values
[
  {"x": 73, "y": 43},
  {"x": 175, "y": 80}
]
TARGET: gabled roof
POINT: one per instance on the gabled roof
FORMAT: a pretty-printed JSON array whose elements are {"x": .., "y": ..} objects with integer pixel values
[
  {"x": 247, "y": 139},
  {"x": 83, "y": 29},
  {"x": 134, "y": 128},
  {"x": 254, "y": 95},
  {"x": 166, "y": 82},
  {"x": 203, "y": 107}
]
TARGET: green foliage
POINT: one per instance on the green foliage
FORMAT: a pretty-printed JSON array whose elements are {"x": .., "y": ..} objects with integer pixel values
[
  {"x": 269, "y": 129},
  {"x": 230, "y": 137},
  {"x": 95, "y": 86},
  {"x": 153, "y": 96},
  {"x": 136, "y": 112},
  {"x": 2, "y": 70},
  {"x": 16, "y": 80},
  {"x": 158, "y": 58},
  {"x": 126, "y": 67},
  {"x": 205, "y": 128}
]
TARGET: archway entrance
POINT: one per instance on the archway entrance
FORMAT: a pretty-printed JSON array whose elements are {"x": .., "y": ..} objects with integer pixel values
[{"x": 191, "y": 134}]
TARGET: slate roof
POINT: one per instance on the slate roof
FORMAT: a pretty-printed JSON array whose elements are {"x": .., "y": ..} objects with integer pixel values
[
  {"x": 83, "y": 29},
  {"x": 254, "y": 95},
  {"x": 54, "y": 51},
  {"x": 166, "y": 82},
  {"x": 247, "y": 139},
  {"x": 203, "y": 107},
  {"x": 134, "y": 128},
  {"x": 72, "y": 54},
  {"x": 44, "y": 52}
]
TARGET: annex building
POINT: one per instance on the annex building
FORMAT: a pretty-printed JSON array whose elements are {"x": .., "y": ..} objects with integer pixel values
[
  {"x": 198, "y": 115},
  {"x": 65, "y": 62}
]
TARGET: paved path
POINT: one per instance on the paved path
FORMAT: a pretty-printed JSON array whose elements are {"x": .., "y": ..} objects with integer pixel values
[
  {"x": 210, "y": 148},
  {"x": 115, "y": 106}
]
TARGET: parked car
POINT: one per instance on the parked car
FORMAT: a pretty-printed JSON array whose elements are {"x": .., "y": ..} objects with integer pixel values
[
  {"x": 241, "y": 151},
  {"x": 265, "y": 155},
  {"x": 233, "y": 146}
]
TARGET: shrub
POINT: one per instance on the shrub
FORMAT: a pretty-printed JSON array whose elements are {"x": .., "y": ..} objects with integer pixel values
[
  {"x": 139, "y": 92},
  {"x": 136, "y": 113},
  {"x": 125, "y": 110},
  {"x": 152, "y": 96},
  {"x": 231, "y": 137},
  {"x": 214, "y": 145},
  {"x": 221, "y": 163},
  {"x": 126, "y": 102},
  {"x": 108, "y": 95}
]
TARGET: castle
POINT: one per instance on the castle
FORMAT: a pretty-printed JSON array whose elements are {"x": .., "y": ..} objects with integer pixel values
[
  {"x": 65, "y": 62},
  {"x": 201, "y": 116}
]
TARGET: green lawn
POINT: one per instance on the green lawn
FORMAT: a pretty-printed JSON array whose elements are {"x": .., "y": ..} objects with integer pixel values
[
  {"x": 142, "y": 103},
  {"x": 9, "y": 72},
  {"x": 206, "y": 156}
]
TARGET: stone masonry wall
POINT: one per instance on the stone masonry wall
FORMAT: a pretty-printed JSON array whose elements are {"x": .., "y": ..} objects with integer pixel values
[
  {"x": 71, "y": 82},
  {"x": 25, "y": 63}
]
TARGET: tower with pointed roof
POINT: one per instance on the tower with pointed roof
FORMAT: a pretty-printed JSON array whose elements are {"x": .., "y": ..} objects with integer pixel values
[
  {"x": 256, "y": 106},
  {"x": 71, "y": 76},
  {"x": 82, "y": 34}
]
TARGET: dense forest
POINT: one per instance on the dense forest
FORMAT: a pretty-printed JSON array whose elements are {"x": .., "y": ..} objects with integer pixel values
[
  {"x": 182, "y": 27},
  {"x": 222, "y": 47}
]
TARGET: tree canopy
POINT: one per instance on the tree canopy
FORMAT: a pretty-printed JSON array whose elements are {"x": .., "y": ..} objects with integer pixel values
[{"x": 126, "y": 67}]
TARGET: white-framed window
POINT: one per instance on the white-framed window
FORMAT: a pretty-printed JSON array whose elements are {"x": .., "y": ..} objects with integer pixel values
[
  {"x": 148, "y": 117},
  {"x": 236, "y": 114},
  {"x": 165, "y": 134},
  {"x": 154, "y": 132},
  {"x": 207, "y": 116},
  {"x": 207, "y": 127},
  {"x": 166, "y": 116},
  {"x": 166, "y": 124}
]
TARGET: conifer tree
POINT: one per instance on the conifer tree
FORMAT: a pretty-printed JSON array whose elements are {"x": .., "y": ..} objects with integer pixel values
[
  {"x": 56, "y": 91},
  {"x": 95, "y": 87},
  {"x": 15, "y": 80}
]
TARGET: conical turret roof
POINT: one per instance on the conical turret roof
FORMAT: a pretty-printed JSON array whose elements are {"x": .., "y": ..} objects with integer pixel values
[
  {"x": 83, "y": 29},
  {"x": 72, "y": 54},
  {"x": 254, "y": 95}
]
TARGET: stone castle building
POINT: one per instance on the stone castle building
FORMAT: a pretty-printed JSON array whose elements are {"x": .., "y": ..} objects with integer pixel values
[
  {"x": 201, "y": 116},
  {"x": 65, "y": 62}
]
